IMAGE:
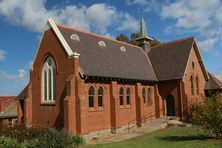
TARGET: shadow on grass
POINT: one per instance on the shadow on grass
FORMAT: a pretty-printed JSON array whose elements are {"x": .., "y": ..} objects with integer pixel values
[{"x": 185, "y": 138}]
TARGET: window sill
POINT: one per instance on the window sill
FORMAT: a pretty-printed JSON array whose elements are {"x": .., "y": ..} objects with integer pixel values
[
  {"x": 100, "y": 108},
  {"x": 148, "y": 106},
  {"x": 48, "y": 103},
  {"x": 128, "y": 106},
  {"x": 93, "y": 109},
  {"x": 122, "y": 106},
  {"x": 125, "y": 106}
]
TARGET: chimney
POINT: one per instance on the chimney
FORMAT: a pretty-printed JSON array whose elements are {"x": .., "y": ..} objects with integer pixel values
[{"x": 143, "y": 39}]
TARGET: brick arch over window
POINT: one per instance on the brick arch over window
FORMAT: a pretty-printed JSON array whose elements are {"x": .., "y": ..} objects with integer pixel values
[
  {"x": 121, "y": 94},
  {"x": 49, "y": 80},
  {"x": 91, "y": 93},
  {"x": 47, "y": 55},
  {"x": 100, "y": 96}
]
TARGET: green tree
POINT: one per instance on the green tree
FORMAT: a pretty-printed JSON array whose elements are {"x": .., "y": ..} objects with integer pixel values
[
  {"x": 133, "y": 36},
  {"x": 122, "y": 37},
  {"x": 208, "y": 114}
]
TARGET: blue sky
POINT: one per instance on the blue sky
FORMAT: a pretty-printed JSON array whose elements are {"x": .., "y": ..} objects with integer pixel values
[{"x": 22, "y": 22}]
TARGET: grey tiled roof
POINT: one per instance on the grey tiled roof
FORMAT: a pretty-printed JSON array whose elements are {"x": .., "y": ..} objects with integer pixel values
[
  {"x": 10, "y": 111},
  {"x": 109, "y": 61},
  {"x": 213, "y": 83},
  {"x": 169, "y": 60}
]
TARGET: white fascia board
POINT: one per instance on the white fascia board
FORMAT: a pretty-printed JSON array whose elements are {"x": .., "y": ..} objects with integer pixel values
[{"x": 68, "y": 50}]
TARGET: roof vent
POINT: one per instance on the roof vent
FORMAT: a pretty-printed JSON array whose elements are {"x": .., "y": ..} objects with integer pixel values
[
  {"x": 74, "y": 37},
  {"x": 102, "y": 44},
  {"x": 123, "y": 49}
]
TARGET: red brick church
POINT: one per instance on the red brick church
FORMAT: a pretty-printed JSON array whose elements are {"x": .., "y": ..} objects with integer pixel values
[{"x": 89, "y": 83}]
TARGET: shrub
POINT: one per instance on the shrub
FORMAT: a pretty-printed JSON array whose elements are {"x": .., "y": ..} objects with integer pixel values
[
  {"x": 77, "y": 140},
  {"x": 55, "y": 139},
  {"x": 7, "y": 142},
  {"x": 21, "y": 133},
  {"x": 208, "y": 115},
  {"x": 35, "y": 143}
]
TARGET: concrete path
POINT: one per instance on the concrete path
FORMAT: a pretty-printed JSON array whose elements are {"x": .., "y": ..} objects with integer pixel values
[{"x": 128, "y": 134}]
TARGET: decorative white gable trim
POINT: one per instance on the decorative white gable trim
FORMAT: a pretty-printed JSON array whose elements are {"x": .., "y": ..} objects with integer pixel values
[
  {"x": 68, "y": 50},
  {"x": 52, "y": 24}
]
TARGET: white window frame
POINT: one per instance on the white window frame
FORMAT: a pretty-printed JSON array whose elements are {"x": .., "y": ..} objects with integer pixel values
[{"x": 49, "y": 65}]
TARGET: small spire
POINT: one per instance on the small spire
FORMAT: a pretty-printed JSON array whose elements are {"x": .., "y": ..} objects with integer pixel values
[
  {"x": 143, "y": 31},
  {"x": 144, "y": 40}
]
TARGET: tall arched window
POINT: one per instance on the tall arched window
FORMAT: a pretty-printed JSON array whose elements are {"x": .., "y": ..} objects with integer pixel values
[
  {"x": 91, "y": 96},
  {"x": 128, "y": 96},
  {"x": 197, "y": 85},
  {"x": 191, "y": 85},
  {"x": 121, "y": 93},
  {"x": 144, "y": 95},
  {"x": 149, "y": 96},
  {"x": 49, "y": 80},
  {"x": 100, "y": 96}
]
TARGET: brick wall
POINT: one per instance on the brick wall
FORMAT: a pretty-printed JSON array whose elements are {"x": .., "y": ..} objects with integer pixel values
[{"x": 49, "y": 115}]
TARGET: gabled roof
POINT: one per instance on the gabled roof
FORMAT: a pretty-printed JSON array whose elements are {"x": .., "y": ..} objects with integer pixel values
[
  {"x": 170, "y": 59},
  {"x": 9, "y": 107},
  {"x": 167, "y": 61},
  {"x": 213, "y": 83},
  {"x": 108, "y": 61}
]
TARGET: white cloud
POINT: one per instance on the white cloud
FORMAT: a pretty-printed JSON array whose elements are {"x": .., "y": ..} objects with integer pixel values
[
  {"x": 33, "y": 15},
  {"x": 207, "y": 44},
  {"x": 200, "y": 16},
  {"x": 20, "y": 77},
  {"x": 128, "y": 23},
  {"x": 2, "y": 55},
  {"x": 190, "y": 14},
  {"x": 147, "y": 5},
  {"x": 21, "y": 74},
  {"x": 140, "y": 2},
  {"x": 14, "y": 82}
]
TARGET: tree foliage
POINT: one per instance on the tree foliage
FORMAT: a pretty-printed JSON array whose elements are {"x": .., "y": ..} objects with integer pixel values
[
  {"x": 208, "y": 114},
  {"x": 122, "y": 37},
  {"x": 132, "y": 40}
]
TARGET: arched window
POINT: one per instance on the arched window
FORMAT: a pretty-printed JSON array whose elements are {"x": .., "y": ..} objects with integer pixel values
[
  {"x": 191, "y": 85},
  {"x": 197, "y": 85},
  {"x": 49, "y": 80},
  {"x": 121, "y": 92},
  {"x": 91, "y": 96},
  {"x": 128, "y": 96},
  {"x": 100, "y": 96},
  {"x": 144, "y": 95},
  {"x": 149, "y": 96}
]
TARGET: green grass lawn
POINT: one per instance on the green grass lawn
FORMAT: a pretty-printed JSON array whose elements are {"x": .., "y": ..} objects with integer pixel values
[{"x": 174, "y": 137}]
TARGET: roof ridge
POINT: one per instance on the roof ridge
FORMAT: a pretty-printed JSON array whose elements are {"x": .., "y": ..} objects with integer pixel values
[
  {"x": 97, "y": 35},
  {"x": 174, "y": 41}
]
